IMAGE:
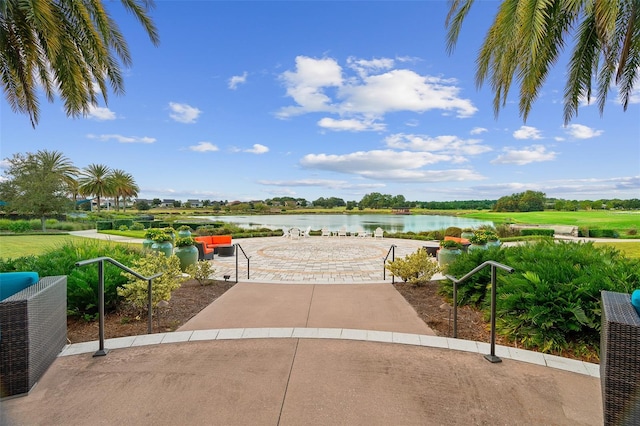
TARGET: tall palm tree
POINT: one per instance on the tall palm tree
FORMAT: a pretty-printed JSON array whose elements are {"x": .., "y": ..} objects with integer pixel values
[
  {"x": 527, "y": 36},
  {"x": 63, "y": 46},
  {"x": 95, "y": 180},
  {"x": 123, "y": 185},
  {"x": 55, "y": 164}
]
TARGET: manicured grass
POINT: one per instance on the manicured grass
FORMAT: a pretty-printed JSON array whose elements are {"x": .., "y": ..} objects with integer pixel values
[
  {"x": 130, "y": 233},
  {"x": 630, "y": 249},
  {"x": 12, "y": 246},
  {"x": 618, "y": 220}
]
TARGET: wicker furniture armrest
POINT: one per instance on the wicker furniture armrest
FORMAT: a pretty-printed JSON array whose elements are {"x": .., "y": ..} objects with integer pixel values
[
  {"x": 620, "y": 360},
  {"x": 33, "y": 331}
]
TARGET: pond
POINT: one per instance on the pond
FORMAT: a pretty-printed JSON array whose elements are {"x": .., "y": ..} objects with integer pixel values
[{"x": 389, "y": 222}]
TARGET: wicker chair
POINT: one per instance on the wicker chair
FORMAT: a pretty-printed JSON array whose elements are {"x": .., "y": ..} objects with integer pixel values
[
  {"x": 620, "y": 360},
  {"x": 33, "y": 331}
]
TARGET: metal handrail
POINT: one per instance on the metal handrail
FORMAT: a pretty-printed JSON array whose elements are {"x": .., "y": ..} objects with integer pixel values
[
  {"x": 494, "y": 265},
  {"x": 100, "y": 261},
  {"x": 238, "y": 246},
  {"x": 392, "y": 251}
]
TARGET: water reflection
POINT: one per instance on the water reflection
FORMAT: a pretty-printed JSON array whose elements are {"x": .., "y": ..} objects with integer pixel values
[{"x": 368, "y": 222}]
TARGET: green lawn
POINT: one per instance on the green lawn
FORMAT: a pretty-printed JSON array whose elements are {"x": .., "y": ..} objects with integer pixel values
[
  {"x": 630, "y": 249},
  {"x": 618, "y": 220},
  {"x": 12, "y": 246}
]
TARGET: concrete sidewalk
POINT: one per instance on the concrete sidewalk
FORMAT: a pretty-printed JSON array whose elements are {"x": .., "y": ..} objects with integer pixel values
[{"x": 375, "y": 363}]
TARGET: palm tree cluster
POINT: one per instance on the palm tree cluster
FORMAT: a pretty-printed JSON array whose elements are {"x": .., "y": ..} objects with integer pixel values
[
  {"x": 43, "y": 176},
  {"x": 68, "y": 48},
  {"x": 527, "y": 37}
]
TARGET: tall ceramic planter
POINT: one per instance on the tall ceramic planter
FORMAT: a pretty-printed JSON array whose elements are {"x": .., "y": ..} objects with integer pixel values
[
  {"x": 494, "y": 243},
  {"x": 447, "y": 256},
  {"x": 164, "y": 247},
  {"x": 146, "y": 244},
  {"x": 184, "y": 233},
  {"x": 466, "y": 234},
  {"x": 474, "y": 247},
  {"x": 188, "y": 255}
]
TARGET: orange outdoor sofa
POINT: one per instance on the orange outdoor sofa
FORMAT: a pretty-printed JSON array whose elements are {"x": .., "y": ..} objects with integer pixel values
[{"x": 208, "y": 245}]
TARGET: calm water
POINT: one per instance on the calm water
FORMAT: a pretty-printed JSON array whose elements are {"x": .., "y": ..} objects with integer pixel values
[{"x": 390, "y": 223}]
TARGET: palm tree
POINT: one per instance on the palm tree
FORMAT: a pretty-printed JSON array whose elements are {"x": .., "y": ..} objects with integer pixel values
[
  {"x": 123, "y": 185},
  {"x": 64, "y": 47},
  {"x": 95, "y": 181},
  {"x": 527, "y": 36}
]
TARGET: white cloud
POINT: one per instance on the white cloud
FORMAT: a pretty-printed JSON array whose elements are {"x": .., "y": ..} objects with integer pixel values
[
  {"x": 478, "y": 130},
  {"x": 451, "y": 145},
  {"x": 635, "y": 96},
  {"x": 532, "y": 154},
  {"x": 363, "y": 67},
  {"x": 527, "y": 132},
  {"x": 184, "y": 113},
  {"x": 322, "y": 183},
  {"x": 402, "y": 166},
  {"x": 122, "y": 139},
  {"x": 236, "y": 80},
  {"x": 4, "y": 164},
  {"x": 319, "y": 85},
  {"x": 579, "y": 131},
  {"x": 100, "y": 113},
  {"x": 257, "y": 149},
  {"x": 204, "y": 147},
  {"x": 352, "y": 125}
]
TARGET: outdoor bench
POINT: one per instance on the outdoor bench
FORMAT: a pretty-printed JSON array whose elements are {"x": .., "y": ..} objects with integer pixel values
[
  {"x": 215, "y": 242},
  {"x": 33, "y": 330},
  {"x": 620, "y": 360}
]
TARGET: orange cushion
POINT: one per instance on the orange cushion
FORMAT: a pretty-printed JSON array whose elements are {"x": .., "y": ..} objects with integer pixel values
[{"x": 457, "y": 240}]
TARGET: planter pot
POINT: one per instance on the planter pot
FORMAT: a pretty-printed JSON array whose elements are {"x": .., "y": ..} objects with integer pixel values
[
  {"x": 447, "y": 256},
  {"x": 495, "y": 243},
  {"x": 188, "y": 256},
  {"x": 146, "y": 244},
  {"x": 474, "y": 247},
  {"x": 184, "y": 234},
  {"x": 466, "y": 235},
  {"x": 164, "y": 247}
]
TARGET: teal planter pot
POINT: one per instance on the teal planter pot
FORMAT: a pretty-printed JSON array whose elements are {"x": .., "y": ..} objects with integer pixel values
[
  {"x": 496, "y": 243},
  {"x": 165, "y": 248},
  {"x": 146, "y": 244},
  {"x": 466, "y": 235},
  {"x": 184, "y": 234},
  {"x": 447, "y": 256},
  {"x": 188, "y": 256},
  {"x": 474, "y": 247}
]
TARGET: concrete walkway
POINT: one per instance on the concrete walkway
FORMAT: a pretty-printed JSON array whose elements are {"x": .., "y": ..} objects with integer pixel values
[{"x": 287, "y": 353}]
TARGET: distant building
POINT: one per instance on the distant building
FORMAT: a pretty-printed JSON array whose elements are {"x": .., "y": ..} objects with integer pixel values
[
  {"x": 401, "y": 210},
  {"x": 167, "y": 202},
  {"x": 195, "y": 203}
]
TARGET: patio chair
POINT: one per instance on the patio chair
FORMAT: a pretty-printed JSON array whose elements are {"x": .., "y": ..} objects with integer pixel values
[
  {"x": 33, "y": 323},
  {"x": 307, "y": 232},
  {"x": 342, "y": 232},
  {"x": 378, "y": 233},
  {"x": 294, "y": 233},
  {"x": 286, "y": 232},
  {"x": 326, "y": 232},
  {"x": 620, "y": 360}
]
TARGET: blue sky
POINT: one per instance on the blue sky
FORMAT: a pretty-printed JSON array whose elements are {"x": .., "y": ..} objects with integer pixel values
[{"x": 254, "y": 100}]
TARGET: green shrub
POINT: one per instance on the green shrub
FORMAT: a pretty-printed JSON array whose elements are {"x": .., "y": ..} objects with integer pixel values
[
  {"x": 134, "y": 291},
  {"x": 603, "y": 233},
  {"x": 453, "y": 231},
  {"x": 416, "y": 268},
  {"x": 103, "y": 225},
  {"x": 137, "y": 226},
  {"x": 632, "y": 231},
  {"x": 19, "y": 226},
  {"x": 537, "y": 231},
  {"x": 552, "y": 300},
  {"x": 201, "y": 271},
  {"x": 118, "y": 223},
  {"x": 507, "y": 231},
  {"x": 123, "y": 228}
]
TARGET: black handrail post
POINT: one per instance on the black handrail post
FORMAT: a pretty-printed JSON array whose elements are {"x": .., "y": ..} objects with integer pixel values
[
  {"x": 149, "y": 308},
  {"x": 392, "y": 251},
  {"x": 491, "y": 357},
  {"x": 101, "y": 350}
]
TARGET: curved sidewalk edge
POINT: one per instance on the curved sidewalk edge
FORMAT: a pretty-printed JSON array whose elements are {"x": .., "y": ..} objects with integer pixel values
[{"x": 506, "y": 352}]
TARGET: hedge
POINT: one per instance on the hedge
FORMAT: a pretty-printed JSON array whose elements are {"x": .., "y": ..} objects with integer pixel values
[{"x": 537, "y": 231}]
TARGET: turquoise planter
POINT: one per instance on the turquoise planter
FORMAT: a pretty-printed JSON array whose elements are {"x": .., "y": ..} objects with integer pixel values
[
  {"x": 184, "y": 234},
  {"x": 165, "y": 248},
  {"x": 187, "y": 255},
  {"x": 496, "y": 243},
  {"x": 447, "y": 256},
  {"x": 466, "y": 235},
  {"x": 146, "y": 244},
  {"x": 474, "y": 247}
]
